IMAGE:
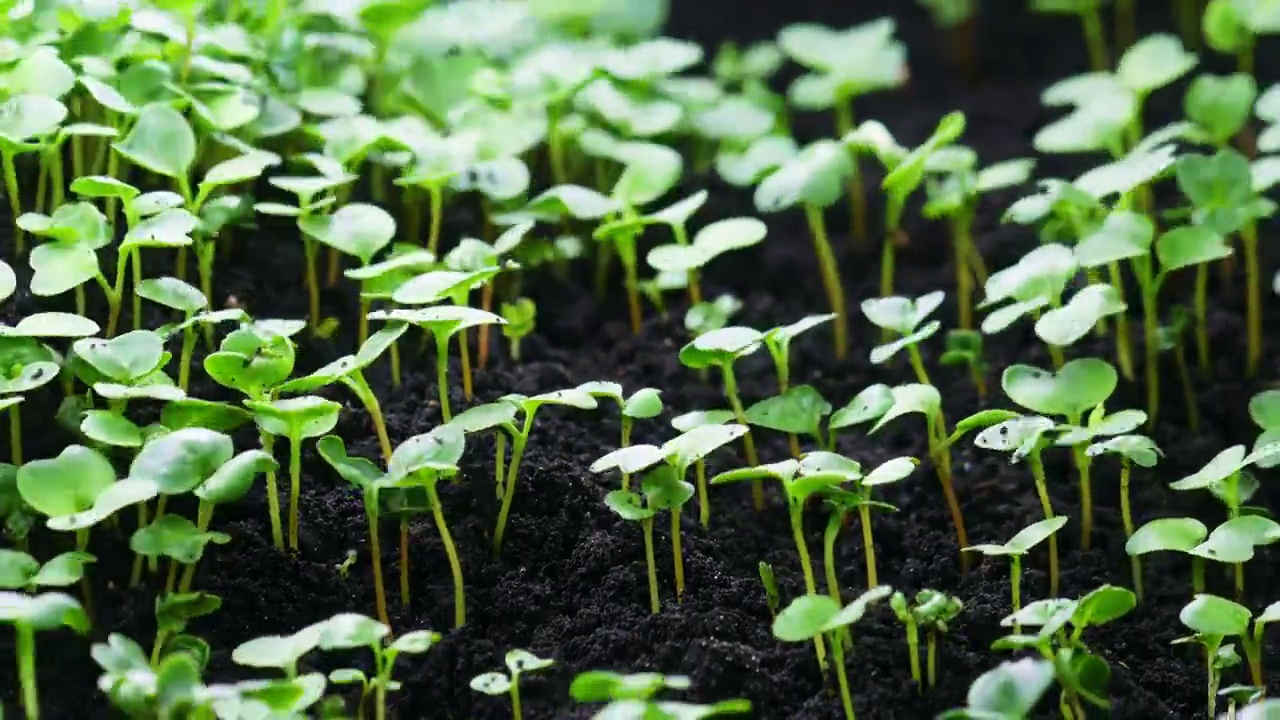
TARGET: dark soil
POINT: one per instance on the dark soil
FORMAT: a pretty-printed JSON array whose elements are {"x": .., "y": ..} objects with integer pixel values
[{"x": 570, "y": 583}]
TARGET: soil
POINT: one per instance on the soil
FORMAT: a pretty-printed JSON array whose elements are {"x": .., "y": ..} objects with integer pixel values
[{"x": 570, "y": 583}]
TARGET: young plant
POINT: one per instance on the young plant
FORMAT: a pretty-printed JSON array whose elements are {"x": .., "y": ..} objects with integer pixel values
[
  {"x": 351, "y": 631},
  {"x": 905, "y": 173},
  {"x": 20, "y": 571},
  {"x": 712, "y": 241},
  {"x": 297, "y": 419},
  {"x": 423, "y": 461},
  {"x": 842, "y": 501},
  {"x": 964, "y": 347},
  {"x": 26, "y": 120},
  {"x": 1212, "y": 620},
  {"x": 844, "y": 65},
  {"x": 813, "y": 178},
  {"x": 722, "y": 348},
  {"x": 658, "y": 488},
  {"x": 903, "y": 317},
  {"x": 811, "y": 617},
  {"x": 1019, "y": 545},
  {"x": 770, "y": 583},
  {"x": 954, "y": 194},
  {"x": 25, "y": 365},
  {"x": 495, "y": 683},
  {"x": 1133, "y": 450},
  {"x": 29, "y": 615},
  {"x": 1012, "y": 689},
  {"x": 797, "y": 411},
  {"x": 358, "y": 230},
  {"x": 521, "y": 317},
  {"x": 1219, "y": 106},
  {"x": 932, "y": 611},
  {"x": 1234, "y": 542},
  {"x": 633, "y": 696},
  {"x": 686, "y": 423},
  {"x": 778, "y": 341},
  {"x": 368, "y": 479},
  {"x": 643, "y": 404}
]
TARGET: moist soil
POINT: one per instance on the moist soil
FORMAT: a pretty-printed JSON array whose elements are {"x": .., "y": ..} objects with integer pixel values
[{"x": 570, "y": 583}]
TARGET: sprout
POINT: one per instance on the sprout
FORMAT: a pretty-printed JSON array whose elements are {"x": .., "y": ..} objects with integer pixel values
[
  {"x": 770, "y": 583},
  {"x": 1019, "y": 545},
  {"x": 1231, "y": 542},
  {"x": 955, "y": 196},
  {"x": 358, "y": 230},
  {"x": 28, "y": 615},
  {"x": 1080, "y": 385},
  {"x": 25, "y": 121},
  {"x": 1036, "y": 281},
  {"x": 844, "y": 65},
  {"x": 368, "y": 479},
  {"x": 295, "y": 418},
  {"x": 778, "y": 342},
  {"x": 658, "y": 488},
  {"x": 25, "y": 364},
  {"x": 520, "y": 317},
  {"x": 423, "y": 461},
  {"x": 842, "y": 501},
  {"x": 721, "y": 348},
  {"x": 495, "y": 683},
  {"x": 903, "y": 316},
  {"x": 632, "y": 696},
  {"x": 685, "y": 423},
  {"x": 643, "y": 404},
  {"x": 932, "y": 610},
  {"x": 905, "y": 172},
  {"x": 1132, "y": 449},
  {"x": 1219, "y": 105},
  {"x": 349, "y": 631},
  {"x": 812, "y": 179},
  {"x": 1212, "y": 619},
  {"x": 712, "y": 241},
  {"x": 20, "y": 571},
  {"x": 964, "y": 347},
  {"x": 1011, "y": 689},
  {"x": 813, "y": 616}
]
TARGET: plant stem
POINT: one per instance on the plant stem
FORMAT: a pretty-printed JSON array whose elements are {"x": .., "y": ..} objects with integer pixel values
[
  {"x": 810, "y": 585},
  {"x": 677, "y": 553},
  {"x": 632, "y": 282},
  {"x": 913, "y": 653},
  {"x": 1086, "y": 496},
  {"x": 1126, "y": 516},
  {"x": 829, "y": 536},
  {"x": 647, "y": 525},
  {"x": 15, "y": 435},
  {"x": 395, "y": 364},
  {"x": 961, "y": 242},
  {"x": 273, "y": 495},
  {"x": 404, "y": 562},
  {"x": 509, "y": 492},
  {"x": 375, "y": 554},
  {"x": 436, "y": 196},
  {"x": 1042, "y": 490},
  {"x": 499, "y": 459},
  {"x": 1249, "y": 241},
  {"x": 1188, "y": 391},
  {"x": 1015, "y": 586},
  {"x": 1124, "y": 352},
  {"x": 295, "y": 489},
  {"x": 842, "y": 679},
  {"x": 704, "y": 500},
  {"x": 1197, "y": 574},
  {"x": 1150, "y": 332},
  {"x": 15, "y": 200},
  {"x": 313, "y": 283},
  {"x": 25, "y": 650},
  {"x": 459, "y": 595},
  {"x": 135, "y": 259},
  {"x": 135, "y": 576},
  {"x": 931, "y": 659},
  {"x": 843, "y": 110},
  {"x": 868, "y": 545},
  {"x": 204, "y": 515},
  {"x": 515, "y": 699},
  {"x": 1202, "y": 316},
  {"x": 1126, "y": 24},
  {"x": 748, "y": 442},
  {"x": 464, "y": 356},
  {"x": 486, "y": 304},
  {"x": 831, "y": 281},
  {"x": 1099, "y": 59},
  {"x": 442, "y": 375}
]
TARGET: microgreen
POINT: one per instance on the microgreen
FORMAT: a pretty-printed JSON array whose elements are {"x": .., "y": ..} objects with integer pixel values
[
  {"x": 20, "y": 571},
  {"x": 709, "y": 243},
  {"x": 26, "y": 120},
  {"x": 632, "y": 696},
  {"x": 520, "y": 318},
  {"x": 1213, "y": 619},
  {"x": 1011, "y": 689},
  {"x": 931, "y": 610},
  {"x": 658, "y": 488},
  {"x": 296, "y": 419},
  {"x": 358, "y": 230},
  {"x": 778, "y": 341},
  {"x": 813, "y": 616},
  {"x": 518, "y": 662},
  {"x": 1132, "y": 450},
  {"x": 903, "y": 317},
  {"x": 841, "y": 501},
  {"x": 964, "y": 347},
  {"x": 350, "y": 631},
  {"x": 643, "y": 404},
  {"x": 1017, "y": 546},
  {"x": 28, "y": 615}
]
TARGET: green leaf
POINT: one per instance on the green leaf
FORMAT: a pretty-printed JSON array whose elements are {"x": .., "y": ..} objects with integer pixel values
[
  {"x": 1026, "y": 538},
  {"x": 1138, "y": 449},
  {"x": 1215, "y": 616},
  {"x": 161, "y": 141},
  {"x": 1220, "y": 105},
  {"x": 762, "y": 156},
  {"x": 491, "y": 683},
  {"x": 1222, "y": 466},
  {"x": 907, "y": 175},
  {"x": 416, "y": 642},
  {"x": 175, "y": 537},
  {"x": 1122, "y": 235},
  {"x": 664, "y": 489},
  {"x": 698, "y": 418},
  {"x": 233, "y": 480},
  {"x": 193, "y": 412},
  {"x": 27, "y": 117},
  {"x": 181, "y": 460},
  {"x": 435, "y": 452},
  {"x": 1079, "y": 386},
  {"x": 52, "y": 324},
  {"x": 650, "y": 172},
  {"x": 358, "y": 230},
  {"x": 66, "y": 484},
  {"x": 815, "y": 176},
  {"x": 911, "y": 398},
  {"x": 62, "y": 570},
  {"x": 694, "y": 445},
  {"x": 1064, "y": 326},
  {"x": 172, "y": 293},
  {"x": 1154, "y": 62},
  {"x": 643, "y": 404},
  {"x": 1010, "y": 690},
  {"x": 106, "y": 427},
  {"x": 799, "y": 410},
  {"x": 1019, "y": 436},
  {"x": 346, "y": 631},
  {"x": 870, "y": 404},
  {"x": 48, "y": 611},
  {"x": 891, "y": 471},
  {"x": 17, "y": 569},
  {"x": 720, "y": 347},
  {"x": 899, "y": 314},
  {"x": 360, "y": 472},
  {"x": 805, "y": 618},
  {"x": 1190, "y": 245},
  {"x": 296, "y": 418},
  {"x": 115, "y": 497},
  {"x": 1103, "y": 605},
  {"x": 1176, "y": 534},
  {"x": 124, "y": 358},
  {"x": 61, "y": 266},
  {"x": 628, "y": 505},
  {"x": 243, "y": 168}
]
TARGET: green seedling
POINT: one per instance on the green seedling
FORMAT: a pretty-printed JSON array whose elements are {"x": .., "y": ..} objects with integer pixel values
[
  {"x": 964, "y": 347},
  {"x": 379, "y": 282},
  {"x": 1132, "y": 450},
  {"x": 20, "y": 571},
  {"x": 676, "y": 218},
  {"x": 368, "y": 479},
  {"x": 1241, "y": 699},
  {"x": 813, "y": 178},
  {"x": 643, "y": 404},
  {"x": 905, "y": 172},
  {"x": 843, "y": 501},
  {"x": 1213, "y": 619},
  {"x": 25, "y": 365},
  {"x": 1233, "y": 28},
  {"x": 955, "y": 188},
  {"x": 1264, "y": 409},
  {"x": 1232, "y": 542},
  {"x": 1012, "y": 689},
  {"x": 520, "y": 318},
  {"x": 844, "y": 65},
  {"x": 495, "y": 683},
  {"x": 712, "y": 241},
  {"x": 128, "y": 367},
  {"x": 1221, "y": 191},
  {"x": 296, "y": 419},
  {"x": 811, "y": 617},
  {"x": 633, "y": 696},
  {"x": 1079, "y": 386},
  {"x": 659, "y": 488},
  {"x": 1019, "y": 545},
  {"x": 443, "y": 322},
  {"x": 174, "y": 611},
  {"x": 903, "y": 317},
  {"x": 721, "y": 348},
  {"x": 28, "y": 121},
  {"x": 28, "y": 615},
  {"x": 797, "y": 411},
  {"x": 711, "y": 315},
  {"x": 1035, "y": 282},
  {"x": 1219, "y": 106},
  {"x": 932, "y": 611},
  {"x": 770, "y": 584},
  {"x": 358, "y": 230},
  {"x": 176, "y": 538},
  {"x": 520, "y": 433},
  {"x": 778, "y": 342},
  {"x": 348, "y": 561},
  {"x": 732, "y": 122},
  {"x": 352, "y": 631},
  {"x": 686, "y": 423}
]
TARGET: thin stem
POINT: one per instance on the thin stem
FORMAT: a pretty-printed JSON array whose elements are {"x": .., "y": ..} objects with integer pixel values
[
  {"x": 1151, "y": 340},
  {"x": 1197, "y": 574},
  {"x": 15, "y": 200},
  {"x": 632, "y": 282},
  {"x": 204, "y": 515},
  {"x": 184, "y": 358},
  {"x": 806, "y": 565},
  {"x": 887, "y": 262},
  {"x": 913, "y": 654},
  {"x": 25, "y": 650},
  {"x": 748, "y": 442},
  {"x": 273, "y": 495},
  {"x": 395, "y": 364},
  {"x": 1249, "y": 241},
  {"x": 15, "y": 435},
  {"x": 499, "y": 459},
  {"x": 829, "y": 536},
  {"x": 442, "y": 375},
  {"x": 1202, "y": 316},
  {"x": 455, "y": 566},
  {"x": 135, "y": 258},
  {"x": 704, "y": 500},
  {"x": 362, "y": 322},
  {"x": 515, "y": 699},
  {"x": 313, "y": 282},
  {"x": 647, "y": 526},
  {"x": 1124, "y": 351},
  {"x": 1126, "y": 24},
  {"x": 868, "y": 545},
  {"x": 135, "y": 576},
  {"x": 436, "y": 196},
  {"x": 856, "y": 186},
  {"x": 931, "y": 659},
  {"x": 295, "y": 489},
  {"x": 486, "y": 304},
  {"x": 1042, "y": 490},
  {"x": 375, "y": 554},
  {"x": 1015, "y": 586},
  {"x": 464, "y": 356},
  {"x": 509, "y": 492},
  {"x": 1099, "y": 59},
  {"x": 842, "y": 680},
  {"x": 831, "y": 281},
  {"x": 961, "y": 240},
  {"x": 677, "y": 553},
  {"x": 626, "y": 477},
  {"x": 1086, "y": 496}
]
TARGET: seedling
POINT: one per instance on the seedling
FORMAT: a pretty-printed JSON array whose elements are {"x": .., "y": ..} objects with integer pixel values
[
  {"x": 1220, "y": 105},
  {"x": 423, "y": 461},
  {"x": 1012, "y": 689},
  {"x": 20, "y": 571},
  {"x": 712, "y": 241},
  {"x": 797, "y": 411},
  {"x": 443, "y": 322},
  {"x": 1132, "y": 450},
  {"x": 28, "y": 615},
  {"x": 633, "y": 696},
  {"x": 643, "y": 404},
  {"x": 1019, "y": 545},
  {"x": 686, "y": 423},
  {"x": 721, "y": 348},
  {"x": 932, "y": 611},
  {"x": 964, "y": 347},
  {"x": 842, "y": 501},
  {"x": 28, "y": 119},
  {"x": 903, "y": 317},
  {"x": 25, "y": 365},
  {"x": 520, "y": 319},
  {"x": 843, "y": 66},
  {"x": 813, "y": 178},
  {"x": 368, "y": 479},
  {"x": 1035, "y": 282},
  {"x": 495, "y": 683},
  {"x": 770, "y": 583},
  {"x": 778, "y": 342},
  {"x": 905, "y": 173},
  {"x": 1213, "y": 619},
  {"x": 811, "y": 617},
  {"x": 358, "y": 230},
  {"x": 954, "y": 194},
  {"x": 350, "y": 631},
  {"x": 658, "y": 485},
  {"x": 297, "y": 419}
]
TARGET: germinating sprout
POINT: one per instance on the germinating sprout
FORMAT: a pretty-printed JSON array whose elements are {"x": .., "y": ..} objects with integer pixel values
[
  {"x": 859, "y": 497},
  {"x": 496, "y": 683},
  {"x": 352, "y": 631},
  {"x": 903, "y": 317},
  {"x": 797, "y": 411},
  {"x": 1017, "y": 546},
  {"x": 1233, "y": 542},
  {"x": 710, "y": 242},
  {"x": 1219, "y": 106},
  {"x": 931, "y": 610},
  {"x": 297, "y": 419},
  {"x": 643, "y": 404},
  {"x": 20, "y": 571},
  {"x": 520, "y": 318},
  {"x": 1212, "y": 620},
  {"x": 1132, "y": 450},
  {"x": 28, "y": 615},
  {"x": 687, "y": 422},
  {"x": 778, "y": 341}
]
